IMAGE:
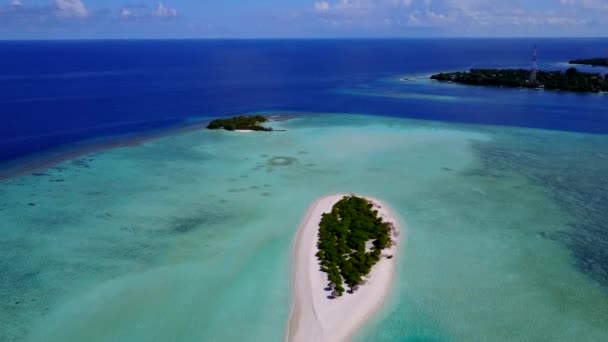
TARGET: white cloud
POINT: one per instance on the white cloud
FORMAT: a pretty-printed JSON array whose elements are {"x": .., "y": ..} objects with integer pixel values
[
  {"x": 426, "y": 18},
  {"x": 436, "y": 18},
  {"x": 70, "y": 9},
  {"x": 322, "y": 6},
  {"x": 459, "y": 17},
  {"x": 141, "y": 12},
  {"x": 601, "y": 5},
  {"x": 360, "y": 17},
  {"x": 164, "y": 11},
  {"x": 594, "y": 5},
  {"x": 413, "y": 19},
  {"x": 125, "y": 13},
  {"x": 555, "y": 20}
]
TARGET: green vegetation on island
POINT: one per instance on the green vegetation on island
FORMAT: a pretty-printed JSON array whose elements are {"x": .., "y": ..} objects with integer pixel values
[
  {"x": 591, "y": 61},
  {"x": 251, "y": 123},
  {"x": 343, "y": 242},
  {"x": 570, "y": 80}
]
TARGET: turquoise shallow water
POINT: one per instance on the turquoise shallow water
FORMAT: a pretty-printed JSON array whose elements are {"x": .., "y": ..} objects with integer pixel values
[{"x": 188, "y": 238}]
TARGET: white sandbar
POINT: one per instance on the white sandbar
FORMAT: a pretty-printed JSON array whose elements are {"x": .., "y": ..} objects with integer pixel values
[{"x": 314, "y": 317}]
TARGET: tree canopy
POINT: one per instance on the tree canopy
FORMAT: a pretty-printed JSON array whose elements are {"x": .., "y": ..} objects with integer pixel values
[
  {"x": 591, "y": 61},
  {"x": 240, "y": 123},
  {"x": 343, "y": 236}
]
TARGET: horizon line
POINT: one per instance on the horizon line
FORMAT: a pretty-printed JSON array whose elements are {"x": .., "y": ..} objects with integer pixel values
[{"x": 298, "y": 38}]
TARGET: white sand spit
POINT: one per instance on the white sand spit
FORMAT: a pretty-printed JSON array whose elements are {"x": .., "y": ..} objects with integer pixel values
[{"x": 314, "y": 317}]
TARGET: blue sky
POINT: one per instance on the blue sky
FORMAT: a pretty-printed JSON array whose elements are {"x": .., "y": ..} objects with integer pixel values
[{"x": 68, "y": 19}]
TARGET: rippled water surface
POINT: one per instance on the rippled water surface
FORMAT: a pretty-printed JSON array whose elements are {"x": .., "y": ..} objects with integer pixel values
[{"x": 189, "y": 236}]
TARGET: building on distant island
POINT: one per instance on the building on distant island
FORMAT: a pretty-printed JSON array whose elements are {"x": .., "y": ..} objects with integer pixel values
[{"x": 534, "y": 71}]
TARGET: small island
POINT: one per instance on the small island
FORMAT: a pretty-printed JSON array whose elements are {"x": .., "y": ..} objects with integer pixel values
[
  {"x": 591, "y": 61},
  {"x": 241, "y": 123},
  {"x": 351, "y": 240},
  {"x": 571, "y": 80},
  {"x": 343, "y": 239}
]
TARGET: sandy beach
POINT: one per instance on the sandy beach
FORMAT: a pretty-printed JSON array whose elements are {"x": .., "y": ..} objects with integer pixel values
[{"x": 315, "y": 317}]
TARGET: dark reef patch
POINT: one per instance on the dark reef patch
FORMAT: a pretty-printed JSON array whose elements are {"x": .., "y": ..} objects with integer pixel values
[
  {"x": 567, "y": 168},
  {"x": 83, "y": 163},
  {"x": 282, "y": 161},
  {"x": 132, "y": 229},
  {"x": 187, "y": 224},
  {"x": 376, "y": 169},
  {"x": 31, "y": 282},
  {"x": 22, "y": 289}
]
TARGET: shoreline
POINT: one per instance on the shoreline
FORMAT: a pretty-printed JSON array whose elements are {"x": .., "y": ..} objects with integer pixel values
[
  {"x": 40, "y": 161},
  {"x": 313, "y": 316}
]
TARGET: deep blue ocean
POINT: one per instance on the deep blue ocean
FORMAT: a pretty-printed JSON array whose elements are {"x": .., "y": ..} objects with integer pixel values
[
  {"x": 57, "y": 92},
  {"x": 506, "y": 227}
]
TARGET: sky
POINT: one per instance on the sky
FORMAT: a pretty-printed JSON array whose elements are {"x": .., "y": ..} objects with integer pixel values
[{"x": 132, "y": 19}]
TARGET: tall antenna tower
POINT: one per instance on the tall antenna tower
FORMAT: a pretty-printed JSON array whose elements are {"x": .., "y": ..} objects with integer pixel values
[{"x": 534, "y": 70}]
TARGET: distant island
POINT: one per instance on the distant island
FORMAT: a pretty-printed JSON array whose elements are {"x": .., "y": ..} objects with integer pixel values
[
  {"x": 570, "y": 80},
  {"x": 591, "y": 61},
  {"x": 241, "y": 123},
  {"x": 351, "y": 240}
]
